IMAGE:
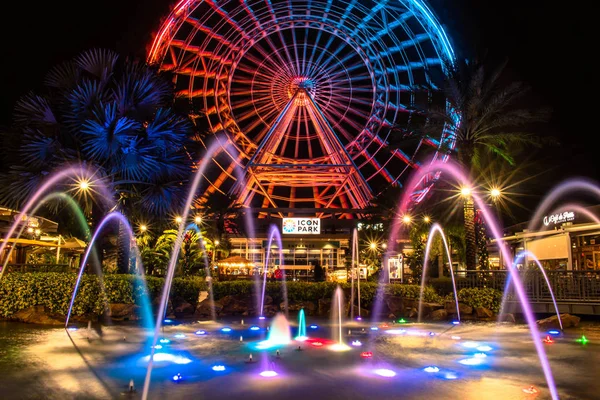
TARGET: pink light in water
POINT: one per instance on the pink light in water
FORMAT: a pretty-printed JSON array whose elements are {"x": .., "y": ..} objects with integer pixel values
[
  {"x": 457, "y": 174},
  {"x": 387, "y": 373},
  {"x": 268, "y": 374}
]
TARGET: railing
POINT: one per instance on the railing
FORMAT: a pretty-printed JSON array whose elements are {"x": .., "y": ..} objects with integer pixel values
[
  {"x": 39, "y": 268},
  {"x": 568, "y": 286}
]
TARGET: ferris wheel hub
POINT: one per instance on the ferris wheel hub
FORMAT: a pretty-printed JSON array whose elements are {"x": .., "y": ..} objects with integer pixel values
[{"x": 302, "y": 87}]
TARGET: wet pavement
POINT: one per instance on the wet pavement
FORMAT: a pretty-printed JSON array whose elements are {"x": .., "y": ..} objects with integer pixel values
[{"x": 468, "y": 361}]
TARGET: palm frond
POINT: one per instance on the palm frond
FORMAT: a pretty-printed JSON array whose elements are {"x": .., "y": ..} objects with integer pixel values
[
  {"x": 34, "y": 110},
  {"x": 98, "y": 62},
  {"x": 63, "y": 76}
]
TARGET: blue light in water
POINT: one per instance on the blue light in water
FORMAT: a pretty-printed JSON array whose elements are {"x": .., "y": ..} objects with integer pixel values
[
  {"x": 470, "y": 345},
  {"x": 177, "y": 378},
  {"x": 167, "y": 358},
  {"x": 450, "y": 376},
  {"x": 471, "y": 361},
  {"x": 479, "y": 355},
  {"x": 218, "y": 368},
  {"x": 168, "y": 321},
  {"x": 455, "y": 322},
  {"x": 226, "y": 329},
  {"x": 261, "y": 317},
  {"x": 200, "y": 332},
  {"x": 431, "y": 334},
  {"x": 374, "y": 328},
  {"x": 431, "y": 369},
  {"x": 554, "y": 332},
  {"x": 158, "y": 347},
  {"x": 484, "y": 348},
  {"x": 72, "y": 329},
  {"x": 254, "y": 328},
  {"x": 314, "y": 327},
  {"x": 180, "y": 336},
  {"x": 164, "y": 341}
]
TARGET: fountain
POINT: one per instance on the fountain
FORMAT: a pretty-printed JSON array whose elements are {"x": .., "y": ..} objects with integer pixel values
[
  {"x": 72, "y": 172},
  {"x": 273, "y": 235},
  {"x": 146, "y": 308},
  {"x": 434, "y": 170},
  {"x": 337, "y": 312},
  {"x": 355, "y": 266},
  {"x": 436, "y": 228},
  {"x": 301, "y": 326},
  {"x": 527, "y": 254},
  {"x": 279, "y": 333},
  {"x": 207, "y": 271}
]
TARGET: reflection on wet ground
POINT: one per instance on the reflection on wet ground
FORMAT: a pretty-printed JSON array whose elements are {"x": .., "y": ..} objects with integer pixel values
[{"x": 416, "y": 361}]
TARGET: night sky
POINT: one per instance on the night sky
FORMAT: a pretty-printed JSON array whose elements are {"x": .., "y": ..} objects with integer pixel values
[{"x": 547, "y": 46}]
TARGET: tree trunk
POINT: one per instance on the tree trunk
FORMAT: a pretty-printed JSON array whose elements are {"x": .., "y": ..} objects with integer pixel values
[
  {"x": 470, "y": 237},
  {"x": 123, "y": 250}
]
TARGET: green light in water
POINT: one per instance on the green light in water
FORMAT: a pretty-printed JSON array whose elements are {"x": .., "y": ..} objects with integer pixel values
[
  {"x": 583, "y": 340},
  {"x": 401, "y": 321}
]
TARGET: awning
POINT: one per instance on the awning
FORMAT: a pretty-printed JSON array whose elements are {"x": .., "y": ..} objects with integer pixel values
[{"x": 235, "y": 262}]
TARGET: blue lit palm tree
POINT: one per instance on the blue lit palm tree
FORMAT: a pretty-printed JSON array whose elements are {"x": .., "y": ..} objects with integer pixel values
[{"x": 113, "y": 115}]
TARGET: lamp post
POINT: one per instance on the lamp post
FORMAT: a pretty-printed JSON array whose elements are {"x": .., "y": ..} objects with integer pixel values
[
  {"x": 469, "y": 217},
  {"x": 216, "y": 244}
]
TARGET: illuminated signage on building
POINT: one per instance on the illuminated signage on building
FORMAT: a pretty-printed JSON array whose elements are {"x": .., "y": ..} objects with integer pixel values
[
  {"x": 302, "y": 226},
  {"x": 555, "y": 219}
]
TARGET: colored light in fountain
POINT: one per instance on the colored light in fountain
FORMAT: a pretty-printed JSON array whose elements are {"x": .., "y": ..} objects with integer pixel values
[
  {"x": 554, "y": 332},
  {"x": 166, "y": 357},
  {"x": 484, "y": 348},
  {"x": 366, "y": 354},
  {"x": 164, "y": 341},
  {"x": 201, "y": 332},
  {"x": 339, "y": 347},
  {"x": 450, "y": 376},
  {"x": 179, "y": 336},
  {"x": 218, "y": 368},
  {"x": 455, "y": 322},
  {"x": 583, "y": 340},
  {"x": 455, "y": 337},
  {"x": 386, "y": 373},
  {"x": 384, "y": 325},
  {"x": 431, "y": 369},
  {"x": 317, "y": 344},
  {"x": 431, "y": 333},
  {"x": 530, "y": 390},
  {"x": 401, "y": 321},
  {"x": 548, "y": 339},
  {"x": 374, "y": 328},
  {"x": 471, "y": 361},
  {"x": 479, "y": 355},
  {"x": 358, "y": 318},
  {"x": 226, "y": 329},
  {"x": 177, "y": 378},
  {"x": 72, "y": 329},
  {"x": 268, "y": 374},
  {"x": 396, "y": 331},
  {"x": 157, "y": 347},
  {"x": 470, "y": 345},
  {"x": 254, "y": 328},
  {"x": 261, "y": 317},
  {"x": 356, "y": 343},
  {"x": 167, "y": 321},
  {"x": 314, "y": 327},
  {"x": 301, "y": 338}
]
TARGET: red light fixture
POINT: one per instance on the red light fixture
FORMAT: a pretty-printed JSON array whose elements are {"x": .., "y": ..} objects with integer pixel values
[{"x": 366, "y": 354}]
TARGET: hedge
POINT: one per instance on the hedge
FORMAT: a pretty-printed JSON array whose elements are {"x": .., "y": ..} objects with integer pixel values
[{"x": 53, "y": 290}]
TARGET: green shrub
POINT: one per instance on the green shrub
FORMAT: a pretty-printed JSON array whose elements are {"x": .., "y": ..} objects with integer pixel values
[{"x": 480, "y": 297}]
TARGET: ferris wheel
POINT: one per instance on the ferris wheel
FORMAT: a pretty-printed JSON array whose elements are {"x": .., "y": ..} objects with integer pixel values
[{"x": 307, "y": 92}]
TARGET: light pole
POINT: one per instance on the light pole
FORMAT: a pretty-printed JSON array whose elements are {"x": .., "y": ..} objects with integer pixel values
[{"x": 216, "y": 244}]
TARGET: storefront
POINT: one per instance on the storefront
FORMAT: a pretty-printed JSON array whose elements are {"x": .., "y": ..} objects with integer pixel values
[{"x": 566, "y": 241}]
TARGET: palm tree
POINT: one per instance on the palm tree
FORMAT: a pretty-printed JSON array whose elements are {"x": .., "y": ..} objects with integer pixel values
[
  {"x": 112, "y": 115},
  {"x": 486, "y": 121}
]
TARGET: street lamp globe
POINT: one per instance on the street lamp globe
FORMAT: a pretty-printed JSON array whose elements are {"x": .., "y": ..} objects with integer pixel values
[
  {"x": 495, "y": 193},
  {"x": 178, "y": 220},
  {"x": 465, "y": 191}
]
